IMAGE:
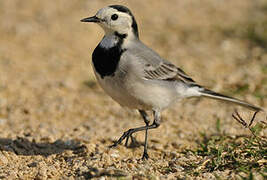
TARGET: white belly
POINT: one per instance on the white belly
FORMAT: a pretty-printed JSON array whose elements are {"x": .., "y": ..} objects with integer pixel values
[
  {"x": 117, "y": 89},
  {"x": 138, "y": 94}
]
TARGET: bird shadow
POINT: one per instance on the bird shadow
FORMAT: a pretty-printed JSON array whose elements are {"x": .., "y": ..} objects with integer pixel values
[{"x": 23, "y": 146}]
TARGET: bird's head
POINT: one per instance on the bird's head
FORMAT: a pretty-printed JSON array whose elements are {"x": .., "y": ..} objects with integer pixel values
[{"x": 115, "y": 19}]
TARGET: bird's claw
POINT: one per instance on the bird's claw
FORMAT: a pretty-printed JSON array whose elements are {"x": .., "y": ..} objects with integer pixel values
[
  {"x": 145, "y": 156},
  {"x": 126, "y": 135}
]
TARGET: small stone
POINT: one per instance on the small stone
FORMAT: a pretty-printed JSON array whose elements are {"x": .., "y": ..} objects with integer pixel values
[
  {"x": 114, "y": 155},
  {"x": 33, "y": 164},
  {"x": 3, "y": 159},
  {"x": 3, "y": 121},
  {"x": 130, "y": 166},
  {"x": 42, "y": 173},
  {"x": 179, "y": 168}
]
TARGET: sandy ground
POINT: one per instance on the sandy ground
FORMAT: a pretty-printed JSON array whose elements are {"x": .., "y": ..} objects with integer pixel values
[{"x": 57, "y": 123}]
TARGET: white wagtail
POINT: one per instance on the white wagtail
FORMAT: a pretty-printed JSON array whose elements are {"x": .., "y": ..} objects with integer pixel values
[{"x": 137, "y": 77}]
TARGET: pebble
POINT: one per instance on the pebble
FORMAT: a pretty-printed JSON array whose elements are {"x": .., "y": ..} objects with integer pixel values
[
  {"x": 33, "y": 164},
  {"x": 3, "y": 159},
  {"x": 3, "y": 121},
  {"x": 42, "y": 173},
  {"x": 114, "y": 154}
]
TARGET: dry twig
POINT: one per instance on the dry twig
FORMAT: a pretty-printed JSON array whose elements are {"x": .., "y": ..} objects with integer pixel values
[{"x": 240, "y": 120}]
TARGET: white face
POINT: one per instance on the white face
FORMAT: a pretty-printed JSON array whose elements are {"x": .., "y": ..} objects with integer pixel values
[{"x": 113, "y": 20}]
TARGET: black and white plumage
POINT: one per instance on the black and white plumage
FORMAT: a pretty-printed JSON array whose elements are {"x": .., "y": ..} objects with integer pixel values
[{"x": 137, "y": 77}]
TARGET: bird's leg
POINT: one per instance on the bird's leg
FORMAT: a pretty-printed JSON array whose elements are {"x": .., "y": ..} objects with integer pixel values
[
  {"x": 128, "y": 133},
  {"x": 155, "y": 124},
  {"x": 146, "y": 120}
]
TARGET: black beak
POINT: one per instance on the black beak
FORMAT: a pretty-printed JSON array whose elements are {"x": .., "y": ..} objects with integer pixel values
[{"x": 91, "y": 19}]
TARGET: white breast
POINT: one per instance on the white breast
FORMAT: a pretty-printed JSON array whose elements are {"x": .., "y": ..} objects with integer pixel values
[{"x": 116, "y": 87}]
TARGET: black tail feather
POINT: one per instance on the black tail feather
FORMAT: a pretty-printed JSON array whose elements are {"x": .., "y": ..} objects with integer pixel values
[{"x": 211, "y": 94}]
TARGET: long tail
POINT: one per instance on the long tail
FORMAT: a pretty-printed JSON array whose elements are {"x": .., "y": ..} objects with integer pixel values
[{"x": 211, "y": 94}]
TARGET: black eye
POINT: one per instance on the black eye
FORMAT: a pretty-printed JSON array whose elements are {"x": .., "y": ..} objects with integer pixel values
[{"x": 114, "y": 17}]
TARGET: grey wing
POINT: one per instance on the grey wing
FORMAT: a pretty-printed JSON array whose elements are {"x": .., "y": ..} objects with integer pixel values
[
  {"x": 157, "y": 68},
  {"x": 167, "y": 71}
]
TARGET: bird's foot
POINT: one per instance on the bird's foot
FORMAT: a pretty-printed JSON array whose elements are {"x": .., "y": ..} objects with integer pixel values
[
  {"x": 145, "y": 156},
  {"x": 126, "y": 135}
]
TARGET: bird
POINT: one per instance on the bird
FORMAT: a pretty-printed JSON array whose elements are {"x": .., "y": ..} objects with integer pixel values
[{"x": 137, "y": 77}]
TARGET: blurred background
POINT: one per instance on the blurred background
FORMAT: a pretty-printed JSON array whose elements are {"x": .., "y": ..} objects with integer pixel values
[{"x": 47, "y": 86}]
